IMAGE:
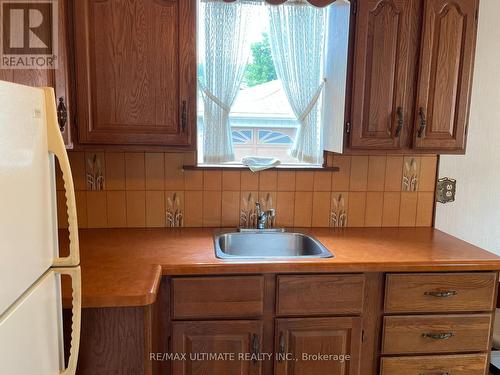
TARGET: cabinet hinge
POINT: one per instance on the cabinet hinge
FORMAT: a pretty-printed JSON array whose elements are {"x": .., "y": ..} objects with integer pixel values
[
  {"x": 348, "y": 127},
  {"x": 354, "y": 6}
]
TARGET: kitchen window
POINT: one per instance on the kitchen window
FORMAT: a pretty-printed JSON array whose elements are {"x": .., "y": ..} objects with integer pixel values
[{"x": 271, "y": 81}]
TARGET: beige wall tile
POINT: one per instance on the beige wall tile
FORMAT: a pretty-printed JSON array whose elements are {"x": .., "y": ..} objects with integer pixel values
[
  {"x": 77, "y": 162},
  {"x": 341, "y": 179},
  {"x": 357, "y": 207},
  {"x": 339, "y": 209},
  {"x": 408, "y": 209},
  {"x": 155, "y": 209},
  {"x": 425, "y": 209},
  {"x": 81, "y": 208},
  {"x": 286, "y": 180},
  {"x": 62, "y": 212},
  {"x": 359, "y": 173},
  {"x": 174, "y": 174},
  {"x": 268, "y": 180},
  {"x": 230, "y": 209},
  {"x": 411, "y": 173},
  {"x": 155, "y": 171},
  {"x": 428, "y": 166},
  {"x": 249, "y": 181},
  {"x": 212, "y": 180},
  {"x": 174, "y": 208},
  {"x": 96, "y": 209},
  {"x": 134, "y": 171},
  {"x": 321, "y": 209},
  {"x": 322, "y": 181},
  {"x": 267, "y": 199},
  {"x": 95, "y": 170},
  {"x": 115, "y": 170},
  {"x": 376, "y": 173},
  {"x": 285, "y": 205},
  {"x": 193, "y": 204},
  {"x": 393, "y": 173},
  {"x": 212, "y": 205},
  {"x": 302, "y": 216},
  {"x": 193, "y": 180},
  {"x": 190, "y": 158},
  {"x": 374, "y": 209},
  {"x": 136, "y": 209},
  {"x": 117, "y": 209},
  {"x": 392, "y": 203},
  {"x": 304, "y": 181},
  {"x": 231, "y": 180}
]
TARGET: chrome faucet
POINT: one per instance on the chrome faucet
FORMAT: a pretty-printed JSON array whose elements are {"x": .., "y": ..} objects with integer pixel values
[{"x": 263, "y": 216}]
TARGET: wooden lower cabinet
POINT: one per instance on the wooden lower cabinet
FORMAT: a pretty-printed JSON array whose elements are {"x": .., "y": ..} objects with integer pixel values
[
  {"x": 317, "y": 346},
  {"x": 230, "y": 343}
]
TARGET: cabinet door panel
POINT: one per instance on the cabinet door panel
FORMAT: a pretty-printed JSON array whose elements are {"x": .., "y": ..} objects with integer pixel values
[
  {"x": 216, "y": 337},
  {"x": 133, "y": 65},
  {"x": 446, "y": 64},
  {"x": 381, "y": 73},
  {"x": 324, "y": 336}
]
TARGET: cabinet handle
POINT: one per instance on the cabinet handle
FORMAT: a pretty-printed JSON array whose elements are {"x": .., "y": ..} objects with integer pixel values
[
  {"x": 62, "y": 114},
  {"x": 255, "y": 348},
  {"x": 281, "y": 347},
  {"x": 184, "y": 116},
  {"x": 442, "y": 293},
  {"x": 400, "y": 121},
  {"x": 443, "y": 373},
  {"x": 423, "y": 123},
  {"x": 438, "y": 336}
]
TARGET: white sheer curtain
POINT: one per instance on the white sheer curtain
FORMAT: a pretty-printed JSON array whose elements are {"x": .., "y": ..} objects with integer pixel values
[
  {"x": 224, "y": 60},
  {"x": 297, "y": 37}
]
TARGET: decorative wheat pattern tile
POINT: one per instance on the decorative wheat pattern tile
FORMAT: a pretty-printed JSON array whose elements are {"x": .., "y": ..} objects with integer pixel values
[
  {"x": 175, "y": 214},
  {"x": 410, "y": 174},
  {"x": 95, "y": 172},
  {"x": 339, "y": 211},
  {"x": 248, "y": 217}
]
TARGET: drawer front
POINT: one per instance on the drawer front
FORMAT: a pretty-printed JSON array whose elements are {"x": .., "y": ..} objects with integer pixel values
[
  {"x": 217, "y": 297},
  {"x": 451, "y": 292},
  {"x": 471, "y": 364},
  {"x": 320, "y": 294},
  {"x": 436, "y": 333}
]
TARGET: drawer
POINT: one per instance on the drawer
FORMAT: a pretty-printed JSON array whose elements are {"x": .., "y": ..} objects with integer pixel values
[
  {"x": 469, "y": 364},
  {"x": 436, "y": 333},
  {"x": 442, "y": 292},
  {"x": 217, "y": 297},
  {"x": 320, "y": 294}
]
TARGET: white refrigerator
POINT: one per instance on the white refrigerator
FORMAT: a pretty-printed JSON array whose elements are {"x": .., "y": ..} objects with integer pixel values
[{"x": 31, "y": 335}]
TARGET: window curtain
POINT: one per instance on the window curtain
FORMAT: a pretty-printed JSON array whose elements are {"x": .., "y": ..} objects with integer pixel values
[
  {"x": 297, "y": 38},
  {"x": 225, "y": 57}
]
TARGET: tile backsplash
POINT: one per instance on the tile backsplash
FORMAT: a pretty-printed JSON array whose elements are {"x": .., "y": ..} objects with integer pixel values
[{"x": 137, "y": 189}]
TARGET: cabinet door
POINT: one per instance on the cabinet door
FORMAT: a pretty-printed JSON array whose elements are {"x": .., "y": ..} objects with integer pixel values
[
  {"x": 381, "y": 73},
  {"x": 220, "y": 338},
  {"x": 55, "y": 78},
  {"x": 446, "y": 64},
  {"x": 326, "y": 341},
  {"x": 135, "y": 71}
]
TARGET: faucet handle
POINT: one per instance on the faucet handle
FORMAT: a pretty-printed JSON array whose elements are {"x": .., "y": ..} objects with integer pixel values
[
  {"x": 258, "y": 208},
  {"x": 271, "y": 212}
]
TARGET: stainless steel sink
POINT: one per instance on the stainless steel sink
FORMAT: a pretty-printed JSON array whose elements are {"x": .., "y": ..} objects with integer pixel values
[{"x": 268, "y": 245}]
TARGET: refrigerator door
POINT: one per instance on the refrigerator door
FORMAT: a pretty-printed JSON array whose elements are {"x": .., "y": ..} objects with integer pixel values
[{"x": 31, "y": 331}]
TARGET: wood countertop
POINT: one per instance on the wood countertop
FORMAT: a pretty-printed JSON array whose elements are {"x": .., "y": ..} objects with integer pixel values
[{"x": 123, "y": 267}]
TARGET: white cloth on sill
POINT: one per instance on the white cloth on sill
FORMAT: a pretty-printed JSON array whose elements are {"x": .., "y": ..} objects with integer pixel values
[{"x": 256, "y": 163}]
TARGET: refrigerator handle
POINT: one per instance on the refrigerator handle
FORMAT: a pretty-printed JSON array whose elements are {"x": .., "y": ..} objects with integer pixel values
[
  {"x": 76, "y": 284},
  {"x": 56, "y": 146}
]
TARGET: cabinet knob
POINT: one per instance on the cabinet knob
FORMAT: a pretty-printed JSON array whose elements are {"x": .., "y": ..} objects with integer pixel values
[
  {"x": 255, "y": 348},
  {"x": 282, "y": 348},
  {"x": 400, "y": 114},
  {"x": 423, "y": 123},
  {"x": 62, "y": 114}
]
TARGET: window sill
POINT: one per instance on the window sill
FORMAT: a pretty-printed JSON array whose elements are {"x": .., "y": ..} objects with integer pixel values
[{"x": 239, "y": 167}]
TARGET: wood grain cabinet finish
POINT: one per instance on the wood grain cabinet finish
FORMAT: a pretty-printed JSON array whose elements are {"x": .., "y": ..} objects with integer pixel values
[
  {"x": 328, "y": 336},
  {"x": 218, "y": 337},
  {"x": 445, "y": 78},
  {"x": 441, "y": 292},
  {"x": 433, "y": 334},
  {"x": 135, "y": 71},
  {"x": 381, "y": 81},
  {"x": 467, "y": 364},
  {"x": 319, "y": 294},
  {"x": 217, "y": 297}
]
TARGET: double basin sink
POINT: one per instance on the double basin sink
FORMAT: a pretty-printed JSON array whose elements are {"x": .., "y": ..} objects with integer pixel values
[{"x": 268, "y": 244}]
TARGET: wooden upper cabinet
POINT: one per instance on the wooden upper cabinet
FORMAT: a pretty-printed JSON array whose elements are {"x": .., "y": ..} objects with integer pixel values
[
  {"x": 136, "y": 71},
  {"x": 381, "y": 73},
  {"x": 310, "y": 336},
  {"x": 446, "y": 67}
]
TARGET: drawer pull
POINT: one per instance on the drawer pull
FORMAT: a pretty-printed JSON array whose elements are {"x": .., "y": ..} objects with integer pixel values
[
  {"x": 255, "y": 348},
  {"x": 438, "y": 336},
  {"x": 442, "y": 293},
  {"x": 443, "y": 373},
  {"x": 281, "y": 347}
]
